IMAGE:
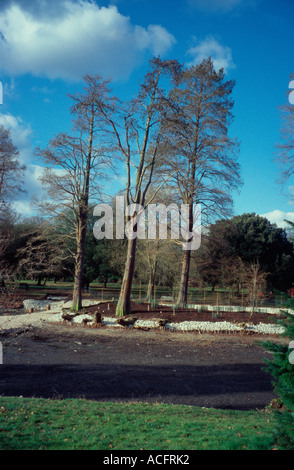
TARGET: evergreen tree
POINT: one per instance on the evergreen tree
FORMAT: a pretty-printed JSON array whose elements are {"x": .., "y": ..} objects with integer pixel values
[
  {"x": 251, "y": 239},
  {"x": 282, "y": 370}
]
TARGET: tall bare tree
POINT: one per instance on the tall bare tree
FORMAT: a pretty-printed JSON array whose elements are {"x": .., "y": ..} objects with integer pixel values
[
  {"x": 76, "y": 167},
  {"x": 138, "y": 135},
  {"x": 11, "y": 172},
  {"x": 285, "y": 149},
  {"x": 199, "y": 151},
  {"x": 11, "y": 184}
]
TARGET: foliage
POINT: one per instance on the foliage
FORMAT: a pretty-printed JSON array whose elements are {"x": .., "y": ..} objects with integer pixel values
[
  {"x": 97, "y": 264},
  {"x": 256, "y": 238},
  {"x": 282, "y": 371},
  {"x": 14, "y": 255},
  {"x": 42, "y": 252},
  {"x": 36, "y": 249},
  {"x": 251, "y": 239}
]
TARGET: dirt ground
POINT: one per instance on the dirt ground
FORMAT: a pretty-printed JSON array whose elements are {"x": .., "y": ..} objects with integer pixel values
[
  {"x": 122, "y": 364},
  {"x": 147, "y": 312}
]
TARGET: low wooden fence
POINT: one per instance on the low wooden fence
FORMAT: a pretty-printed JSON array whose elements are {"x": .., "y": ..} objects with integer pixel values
[{"x": 199, "y": 297}]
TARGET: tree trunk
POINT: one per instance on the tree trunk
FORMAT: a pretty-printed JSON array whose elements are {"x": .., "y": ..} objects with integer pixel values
[
  {"x": 150, "y": 288},
  {"x": 124, "y": 302},
  {"x": 78, "y": 276},
  {"x": 82, "y": 226},
  {"x": 183, "y": 290}
]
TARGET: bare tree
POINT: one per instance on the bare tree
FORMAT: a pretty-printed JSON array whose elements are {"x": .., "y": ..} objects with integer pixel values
[
  {"x": 77, "y": 166},
  {"x": 11, "y": 184},
  {"x": 256, "y": 285},
  {"x": 42, "y": 253},
  {"x": 149, "y": 254},
  {"x": 6, "y": 236},
  {"x": 11, "y": 172},
  {"x": 199, "y": 151},
  {"x": 138, "y": 135},
  {"x": 285, "y": 149},
  {"x": 248, "y": 276}
]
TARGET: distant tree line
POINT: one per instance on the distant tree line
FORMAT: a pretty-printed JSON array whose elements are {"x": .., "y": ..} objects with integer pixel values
[{"x": 234, "y": 254}]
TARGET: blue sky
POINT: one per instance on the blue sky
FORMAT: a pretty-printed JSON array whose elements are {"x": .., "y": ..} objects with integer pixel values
[{"x": 46, "y": 46}]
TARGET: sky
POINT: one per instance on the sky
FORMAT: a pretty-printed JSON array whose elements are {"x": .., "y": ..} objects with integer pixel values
[{"x": 47, "y": 46}]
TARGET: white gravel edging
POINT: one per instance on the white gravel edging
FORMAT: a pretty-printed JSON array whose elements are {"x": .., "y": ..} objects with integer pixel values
[
  {"x": 145, "y": 324},
  {"x": 224, "y": 326},
  {"x": 262, "y": 328},
  {"x": 203, "y": 326},
  {"x": 108, "y": 321},
  {"x": 39, "y": 318},
  {"x": 54, "y": 315}
]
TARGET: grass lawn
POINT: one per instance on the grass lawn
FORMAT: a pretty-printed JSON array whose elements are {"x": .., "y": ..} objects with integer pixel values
[{"x": 72, "y": 424}]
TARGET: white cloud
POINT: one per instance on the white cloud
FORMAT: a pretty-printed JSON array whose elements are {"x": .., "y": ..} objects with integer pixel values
[
  {"x": 220, "y": 5},
  {"x": 278, "y": 217},
  {"x": 210, "y": 47},
  {"x": 24, "y": 208},
  {"x": 83, "y": 39}
]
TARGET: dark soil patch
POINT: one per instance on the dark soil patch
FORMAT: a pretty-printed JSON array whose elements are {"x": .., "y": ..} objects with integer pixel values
[
  {"x": 118, "y": 364},
  {"x": 147, "y": 312},
  {"x": 122, "y": 364}
]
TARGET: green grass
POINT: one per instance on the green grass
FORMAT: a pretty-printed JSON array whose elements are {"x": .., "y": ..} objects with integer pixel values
[{"x": 72, "y": 424}]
